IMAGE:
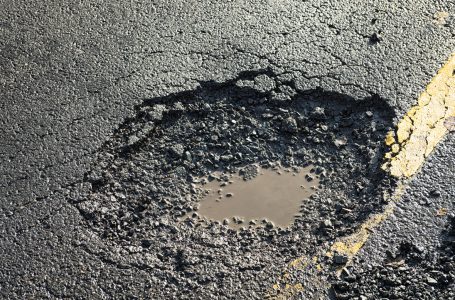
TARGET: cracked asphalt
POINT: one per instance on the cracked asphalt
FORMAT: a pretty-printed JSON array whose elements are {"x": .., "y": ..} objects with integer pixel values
[{"x": 74, "y": 73}]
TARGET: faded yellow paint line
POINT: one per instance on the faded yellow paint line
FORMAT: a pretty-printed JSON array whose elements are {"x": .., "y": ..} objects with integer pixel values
[
  {"x": 284, "y": 288},
  {"x": 350, "y": 245},
  {"x": 416, "y": 136},
  {"x": 423, "y": 127}
]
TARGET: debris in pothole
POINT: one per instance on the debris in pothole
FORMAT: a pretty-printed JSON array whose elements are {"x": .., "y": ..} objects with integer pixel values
[
  {"x": 290, "y": 125},
  {"x": 249, "y": 172},
  {"x": 141, "y": 189},
  {"x": 339, "y": 142}
]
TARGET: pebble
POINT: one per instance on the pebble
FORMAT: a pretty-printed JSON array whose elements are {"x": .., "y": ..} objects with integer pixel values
[
  {"x": 177, "y": 149},
  {"x": 226, "y": 157},
  {"x": 318, "y": 113},
  {"x": 340, "y": 259},
  {"x": 133, "y": 140},
  {"x": 269, "y": 225},
  {"x": 435, "y": 193},
  {"x": 340, "y": 142},
  {"x": 156, "y": 114},
  {"x": 146, "y": 243},
  {"x": 431, "y": 281},
  {"x": 327, "y": 223},
  {"x": 290, "y": 125}
]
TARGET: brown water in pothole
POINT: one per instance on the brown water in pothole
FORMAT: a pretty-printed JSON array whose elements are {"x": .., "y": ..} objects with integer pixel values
[{"x": 271, "y": 197}]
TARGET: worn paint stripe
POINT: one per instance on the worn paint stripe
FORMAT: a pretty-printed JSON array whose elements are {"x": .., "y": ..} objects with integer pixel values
[
  {"x": 423, "y": 127},
  {"x": 415, "y": 137},
  {"x": 349, "y": 246}
]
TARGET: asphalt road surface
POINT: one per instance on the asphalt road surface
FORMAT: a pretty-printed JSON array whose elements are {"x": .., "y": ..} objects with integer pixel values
[{"x": 110, "y": 108}]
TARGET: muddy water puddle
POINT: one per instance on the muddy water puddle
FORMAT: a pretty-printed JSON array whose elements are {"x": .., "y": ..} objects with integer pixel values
[{"x": 257, "y": 196}]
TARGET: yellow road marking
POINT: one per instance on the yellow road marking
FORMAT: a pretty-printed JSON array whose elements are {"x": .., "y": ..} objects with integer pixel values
[
  {"x": 416, "y": 136},
  {"x": 350, "y": 245},
  {"x": 423, "y": 127}
]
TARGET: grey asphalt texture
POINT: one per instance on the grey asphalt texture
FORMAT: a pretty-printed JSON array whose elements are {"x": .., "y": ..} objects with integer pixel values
[{"x": 72, "y": 73}]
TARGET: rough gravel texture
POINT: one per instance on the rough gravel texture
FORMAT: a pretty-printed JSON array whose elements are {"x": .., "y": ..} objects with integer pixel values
[
  {"x": 141, "y": 182},
  {"x": 415, "y": 259},
  {"x": 71, "y": 73}
]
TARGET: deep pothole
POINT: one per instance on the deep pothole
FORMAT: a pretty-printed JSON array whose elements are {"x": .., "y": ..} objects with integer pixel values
[{"x": 141, "y": 184}]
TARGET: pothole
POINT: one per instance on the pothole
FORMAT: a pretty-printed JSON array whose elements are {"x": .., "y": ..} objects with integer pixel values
[
  {"x": 142, "y": 181},
  {"x": 257, "y": 196}
]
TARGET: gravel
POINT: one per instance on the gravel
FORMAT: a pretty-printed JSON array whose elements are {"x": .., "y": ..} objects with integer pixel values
[
  {"x": 140, "y": 195},
  {"x": 411, "y": 272}
]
